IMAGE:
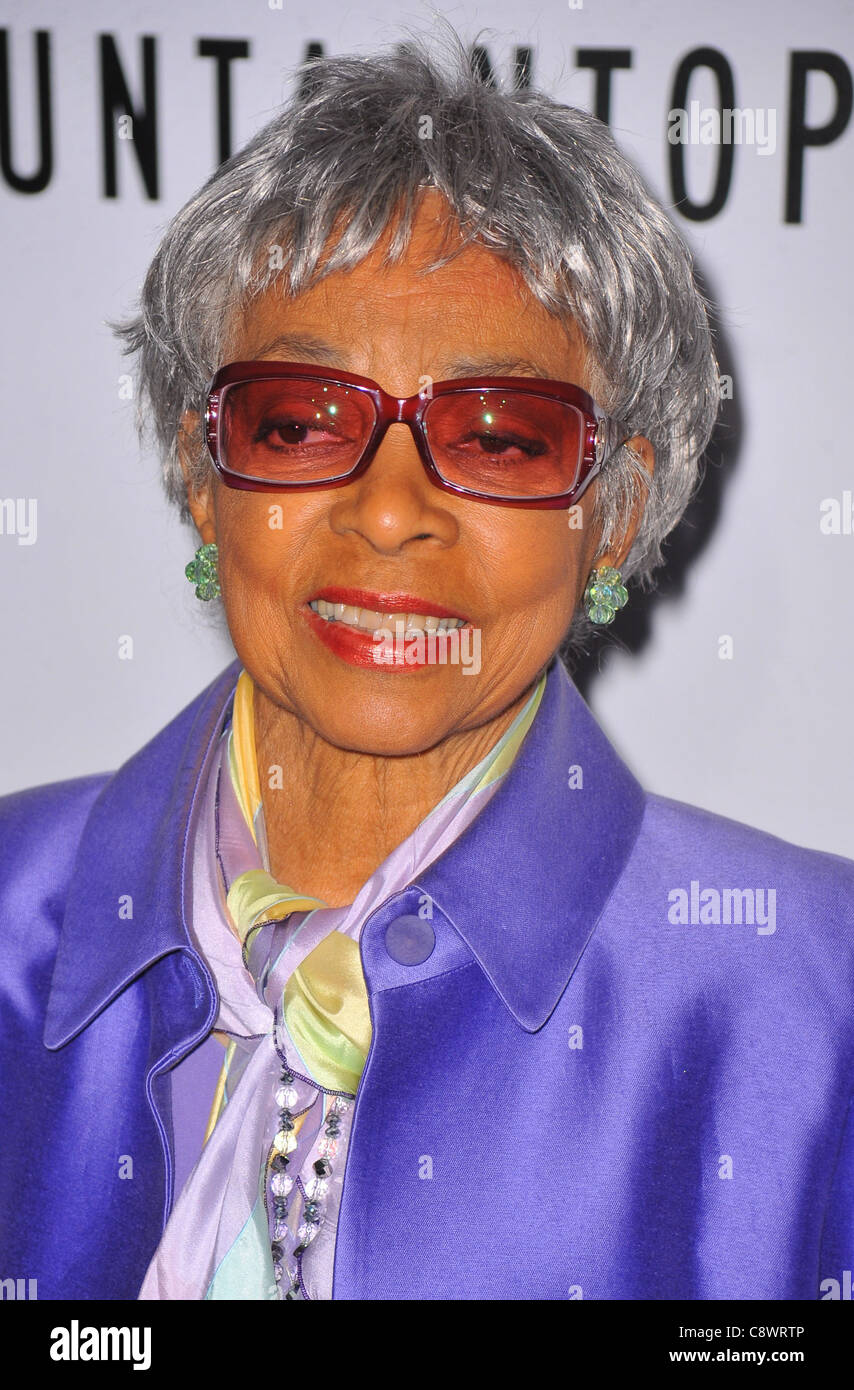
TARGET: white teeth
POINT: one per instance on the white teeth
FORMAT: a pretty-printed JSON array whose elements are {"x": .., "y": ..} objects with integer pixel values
[{"x": 369, "y": 621}]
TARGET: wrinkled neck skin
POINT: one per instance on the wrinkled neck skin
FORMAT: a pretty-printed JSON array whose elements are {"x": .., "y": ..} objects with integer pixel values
[{"x": 338, "y": 813}]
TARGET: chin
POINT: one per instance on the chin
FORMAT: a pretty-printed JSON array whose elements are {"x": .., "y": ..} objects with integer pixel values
[{"x": 393, "y": 722}]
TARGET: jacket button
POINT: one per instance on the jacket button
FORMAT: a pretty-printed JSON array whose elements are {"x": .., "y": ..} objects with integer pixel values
[{"x": 409, "y": 940}]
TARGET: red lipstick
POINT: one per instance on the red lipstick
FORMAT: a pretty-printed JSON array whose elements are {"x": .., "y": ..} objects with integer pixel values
[{"x": 361, "y": 648}]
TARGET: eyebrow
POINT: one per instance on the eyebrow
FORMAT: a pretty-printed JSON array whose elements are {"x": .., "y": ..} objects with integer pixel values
[
  {"x": 303, "y": 347},
  {"x": 307, "y": 347}
]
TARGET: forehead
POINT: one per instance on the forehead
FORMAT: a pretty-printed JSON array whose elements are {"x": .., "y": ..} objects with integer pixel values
[{"x": 473, "y": 315}]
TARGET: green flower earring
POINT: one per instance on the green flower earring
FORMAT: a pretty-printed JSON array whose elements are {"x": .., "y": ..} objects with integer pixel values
[
  {"x": 202, "y": 572},
  {"x": 605, "y": 595}
]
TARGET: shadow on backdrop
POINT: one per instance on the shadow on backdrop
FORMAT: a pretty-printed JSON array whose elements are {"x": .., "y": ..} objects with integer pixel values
[{"x": 632, "y": 627}]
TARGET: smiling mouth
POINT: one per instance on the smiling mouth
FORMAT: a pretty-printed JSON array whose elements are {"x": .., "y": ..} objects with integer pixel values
[{"x": 371, "y": 620}]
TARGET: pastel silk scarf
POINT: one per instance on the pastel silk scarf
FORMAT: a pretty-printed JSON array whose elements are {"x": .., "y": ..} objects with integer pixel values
[
  {"x": 325, "y": 1003},
  {"x": 297, "y": 991}
]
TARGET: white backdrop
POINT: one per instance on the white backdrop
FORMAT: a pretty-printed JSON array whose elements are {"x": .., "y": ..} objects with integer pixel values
[{"x": 766, "y": 736}]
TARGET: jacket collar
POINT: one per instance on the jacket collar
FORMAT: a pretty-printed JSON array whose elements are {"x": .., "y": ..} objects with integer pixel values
[
  {"x": 524, "y": 885},
  {"x": 528, "y": 880},
  {"x": 132, "y": 853}
]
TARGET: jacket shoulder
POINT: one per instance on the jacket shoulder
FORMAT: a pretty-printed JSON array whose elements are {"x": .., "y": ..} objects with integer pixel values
[
  {"x": 49, "y": 819},
  {"x": 40, "y": 833},
  {"x": 685, "y": 832},
  {"x": 716, "y": 879},
  {"x": 41, "y": 828}
]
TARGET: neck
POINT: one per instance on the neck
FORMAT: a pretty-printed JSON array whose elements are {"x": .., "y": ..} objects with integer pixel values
[{"x": 339, "y": 814}]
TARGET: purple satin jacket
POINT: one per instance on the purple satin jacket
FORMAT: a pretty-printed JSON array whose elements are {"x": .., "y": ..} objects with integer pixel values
[{"x": 624, "y": 1071}]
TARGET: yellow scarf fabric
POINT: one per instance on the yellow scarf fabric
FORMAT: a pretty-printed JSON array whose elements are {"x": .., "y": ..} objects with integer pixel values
[{"x": 326, "y": 1007}]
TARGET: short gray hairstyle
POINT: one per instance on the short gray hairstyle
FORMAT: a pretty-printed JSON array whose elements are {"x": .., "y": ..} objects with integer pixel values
[{"x": 541, "y": 184}]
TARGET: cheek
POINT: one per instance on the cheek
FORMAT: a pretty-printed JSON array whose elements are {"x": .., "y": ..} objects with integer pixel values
[
  {"x": 540, "y": 559},
  {"x": 256, "y": 534}
]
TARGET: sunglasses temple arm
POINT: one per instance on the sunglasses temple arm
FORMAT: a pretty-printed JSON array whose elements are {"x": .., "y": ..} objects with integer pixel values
[{"x": 611, "y": 435}]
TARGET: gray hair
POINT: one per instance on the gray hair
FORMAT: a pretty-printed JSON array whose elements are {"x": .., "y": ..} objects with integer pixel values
[{"x": 540, "y": 184}]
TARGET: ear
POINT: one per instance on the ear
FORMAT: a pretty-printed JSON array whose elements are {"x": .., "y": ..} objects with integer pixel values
[
  {"x": 200, "y": 500},
  {"x": 621, "y": 545}
]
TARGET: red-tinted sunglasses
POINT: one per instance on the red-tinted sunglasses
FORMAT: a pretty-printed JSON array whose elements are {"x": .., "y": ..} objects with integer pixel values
[{"x": 513, "y": 441}]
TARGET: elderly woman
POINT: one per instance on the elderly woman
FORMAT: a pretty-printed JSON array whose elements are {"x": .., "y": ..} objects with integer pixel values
[{"x": 376, "y": 974}]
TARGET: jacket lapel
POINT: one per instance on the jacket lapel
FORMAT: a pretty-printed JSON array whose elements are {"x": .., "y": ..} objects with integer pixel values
[
  {"x": 130, "y": 861},
  {"x": 527, "y": 882}
]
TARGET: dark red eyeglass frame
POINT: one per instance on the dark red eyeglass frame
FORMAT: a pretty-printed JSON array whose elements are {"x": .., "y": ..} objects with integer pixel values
[{"x": 601, "y": 430}]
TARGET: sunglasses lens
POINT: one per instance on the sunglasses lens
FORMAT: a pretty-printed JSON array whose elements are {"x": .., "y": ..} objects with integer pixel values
[
  {"x": 501, "y": 443},
  {"x": 294, "y": 430}
]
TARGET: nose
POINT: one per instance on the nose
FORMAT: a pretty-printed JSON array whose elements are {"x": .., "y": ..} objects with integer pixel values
[{"x": 394, "y": 503}]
